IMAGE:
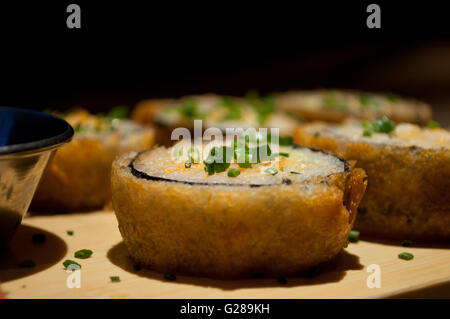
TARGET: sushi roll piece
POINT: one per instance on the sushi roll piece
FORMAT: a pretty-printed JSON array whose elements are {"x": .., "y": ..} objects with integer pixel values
[
  {"x": 78, "y": 177},
  {"x": 408, "y": 168},
  {"x": 194, "y": 215},
  {"x": 339, "y": 105},
  {"x": 215, "y": 111}
]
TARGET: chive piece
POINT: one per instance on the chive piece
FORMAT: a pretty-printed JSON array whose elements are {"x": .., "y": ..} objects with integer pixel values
[
  {"x": 367, "y": 133},
  {"x": 405, "y": 256},
  {"x": 294, "y": 172},
  {"x": 331, "y": 101},
  {"x": 83, "y": 253},
  {"x": 284, "y": 154},
  {"x": 114, "y": 278},
  {"x": 286, "y": 140},
  {"x": 392, "y": 97},
  {"x": 70, "y": 232},
  {"x": 271, "y": 171},
  {"x": 365, "y": 99},
  {"x": 234, "y": 172},
  {"x": 27, "y": 264},
  {"x": 282, "y": 280},
  {"x": 187, "y": 164},
  {"x": 316, "y": 134},
  {"x": 190, "y": 110},
  {"x": 38, "y": 238},
  {"x": 433, "y": 124},
  {"x": 69, "y": 262},
  {"x": 119, "y": 112},
  {"x": 170, "y": 277},
  {"x": 353, "y": 236},
  {"x": 383, "y": 125},
  {"x": 66, "y": 263},
  {"x": 77, "y": 128},
  {"x": 406, "y": 243}
]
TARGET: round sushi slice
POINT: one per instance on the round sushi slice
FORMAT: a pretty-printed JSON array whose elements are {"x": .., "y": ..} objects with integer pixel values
[
  {"x": 215, "y": 111},
  {"x": 78, "y": 177},
  {"x": 278, "y": 216},
  {"x": 339, "y": 105},
  {"x": 408, "y": 167}
]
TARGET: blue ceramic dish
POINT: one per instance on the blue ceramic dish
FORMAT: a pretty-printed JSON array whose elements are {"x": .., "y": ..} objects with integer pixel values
[{"x": 28, "y": 140}]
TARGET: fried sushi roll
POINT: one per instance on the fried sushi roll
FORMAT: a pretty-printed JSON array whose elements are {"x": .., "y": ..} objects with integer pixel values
[
  {"x": 339, "y": 105},
  {"x": 215, "y": 111},
  {"x": 408, "y": 168},
  {"x": 277, "y": 217},
  {"x": 78, "y": 177}
]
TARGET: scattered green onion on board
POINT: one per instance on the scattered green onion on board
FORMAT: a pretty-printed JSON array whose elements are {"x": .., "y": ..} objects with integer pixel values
[
  {"x": 353, "y": 236},
  {"x": 114, "y": 278},
  {"x": 69, "y": 262},
  {"x": 405, "y": 256},
  {"x": 83, "y": 253}
]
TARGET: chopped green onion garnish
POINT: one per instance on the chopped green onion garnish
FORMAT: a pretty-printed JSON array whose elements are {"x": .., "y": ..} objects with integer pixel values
[
  {"x": 119, "y": 112},
  {"x": 353, "y": 236},
  {"x": 365, "y": 99},
  {"x": 286, "y": 140},
  {"x": 332, "y": 101},
  {"x": 83, "y": 253},
  {"x": 234, "y": 172},
  {"x": 391, "y": 97},
  {"x": 187, "y": 164},
  {"x": 115, "y": 278},
  {"x": 383, "y": 125},
  {"x": 77, "y": 128},
  {"x": 284, "y": 154},
  {"x": 294, "y": 172},
  {"x": 190, "y": 109},
  {"x": 367, "y": 133},
  {"x": 69, "y": 262},
  {"x": 406, "y": 256},
  {"x": 433, "y": 124},
  {"x": 70, "y": 232},
  {"x": 271, "y": 171}
]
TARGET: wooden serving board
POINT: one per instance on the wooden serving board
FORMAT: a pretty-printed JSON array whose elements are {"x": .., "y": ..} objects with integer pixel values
[{"x": 427, "y": 275}]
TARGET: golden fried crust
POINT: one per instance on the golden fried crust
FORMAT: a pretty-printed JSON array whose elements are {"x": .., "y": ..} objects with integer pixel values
[
  {"x": 146, "y": 110},
  {"x": 75, "y": 178},
  {"x": 408, "y": 110},
  {"x": 78, "y": 177},
  {"x": 408, "y": 188},
  {"x": 230, "y": 232}
]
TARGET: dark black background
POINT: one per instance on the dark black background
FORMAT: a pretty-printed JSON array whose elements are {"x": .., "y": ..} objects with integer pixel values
[{"x": 126, "y": 51}]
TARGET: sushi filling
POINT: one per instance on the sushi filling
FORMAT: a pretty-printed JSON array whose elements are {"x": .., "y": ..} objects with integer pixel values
[{"x": 234, "y": 164}]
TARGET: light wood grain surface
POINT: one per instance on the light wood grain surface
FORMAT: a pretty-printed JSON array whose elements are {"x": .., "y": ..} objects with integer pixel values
[{"x": 428, "y": 274}]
